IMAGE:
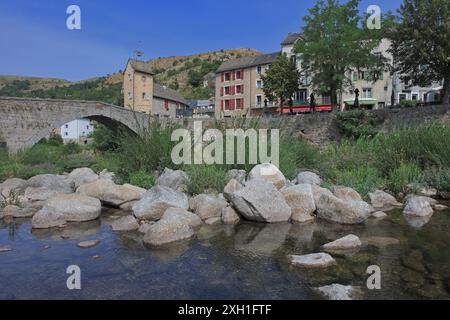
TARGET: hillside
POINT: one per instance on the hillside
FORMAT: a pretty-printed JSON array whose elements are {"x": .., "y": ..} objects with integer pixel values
[{"x": 183, "y": 73}]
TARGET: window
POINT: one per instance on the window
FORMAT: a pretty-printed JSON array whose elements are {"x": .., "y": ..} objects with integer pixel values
[
  {"x": 415, "y": 96},
  {"x": 367, "y": 93},
  {"x": 269, "y": 66},
  {"x": 227, "y": 104},
  {"x": 130, "y": 77},
  {"x": 258, "y": 100},
  {"x": 66, "y": 134},
  {"x": 258, "y": 69},
  {"x": 144, "y": 96},
  {"x": 129, "y": 95},
  {"x": 240, "y": 89},
  {"x": 240, "y": 103},
  {"x": 402, "y": 96},
  {"x": 259, "y": 84},
  {"x": 227, "y": 76},
  {"x": 294, "y": 59},
  {"x": 87, "y": 127},
  {"x": 166, "y": 104},
  {"x": 238, "y": 75},
  {"x": 66, "y": 126},
  {"x": 228, "y": 90},
  {"x": 144, "y": 78}
]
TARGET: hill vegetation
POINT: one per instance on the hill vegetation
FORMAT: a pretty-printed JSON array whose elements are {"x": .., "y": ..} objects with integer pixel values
[{"x": 183, "y": 73}]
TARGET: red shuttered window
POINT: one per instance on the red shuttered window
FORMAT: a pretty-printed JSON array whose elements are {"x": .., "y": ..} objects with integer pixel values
[
  {"x": 221, "y": 91},
  {"x": 166, "y": 104},
  {"x": 222, "y": 76}
]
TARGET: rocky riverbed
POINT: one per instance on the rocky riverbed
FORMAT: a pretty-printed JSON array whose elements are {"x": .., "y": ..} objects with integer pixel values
[{"x": 264, "y": 237}]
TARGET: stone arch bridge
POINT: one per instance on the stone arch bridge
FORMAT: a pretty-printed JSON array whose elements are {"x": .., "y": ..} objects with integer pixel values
[{"x": 25, "y": 121}]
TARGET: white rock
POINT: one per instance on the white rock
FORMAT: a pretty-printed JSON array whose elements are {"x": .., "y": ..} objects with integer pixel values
[
  {"x": 338, "y": 292},
  {"x": 189, "y": 218},
  {"x": 110, "y": 193},
  {"x": 175, "y": 179},
  {"x": 313, "y": 260},
  {"x": 334, "y": 209},
  {"x": 207, "y": 206},
  {"x": 17, "y": 212},
  {"x": 156, "y": 201},
  {"x": 12, "y": 186},
  {"x": 383, "y": 201},
  {"x": 167, "y": 231},
  {"x": 51, "y": 182},
  {"x": 230, "y": 216},
  {"x": 300, "y": 199},
  {"x": 418, "y": 206},
  {"x": 308, "y": 177},
  {"x": 346, "y": 193},
  {"x": 63, "y": 208},
  {"x": 239, "y": 175},
  {"x": 81, "y": 176},
  {"x": 127, "y": 223},
  {"x": 268, "y": 172},
  {"x": 348, "y": 242},
  {"x": 232, "y": 186},
  {"x": 260, "y": 201},
  {"x": 213, "y": 220}
]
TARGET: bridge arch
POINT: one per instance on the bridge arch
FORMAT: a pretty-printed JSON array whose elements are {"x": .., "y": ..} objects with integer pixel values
[{"x": 24, "y": 121}]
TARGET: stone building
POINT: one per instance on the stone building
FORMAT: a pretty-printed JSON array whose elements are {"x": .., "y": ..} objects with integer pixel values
[
  {"x": 239, "y": 85},
  {"x": 142, "y": 94}
]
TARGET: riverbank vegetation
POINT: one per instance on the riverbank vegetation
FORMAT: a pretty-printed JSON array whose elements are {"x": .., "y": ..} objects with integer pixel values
[{"x": 418, "y": 155}]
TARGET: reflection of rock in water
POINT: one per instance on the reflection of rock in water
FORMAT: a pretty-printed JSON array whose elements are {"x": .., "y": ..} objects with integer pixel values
[
  {"x": 303, "y": 233},
  {"x": 261, "y": 238},
  {"x": 171, "y": 251},
  {"x": 417, "y": 222},
  {"x": 76, "y": 230}
]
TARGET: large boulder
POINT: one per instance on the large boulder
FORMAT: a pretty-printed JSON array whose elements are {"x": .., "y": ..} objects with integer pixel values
[
  {"x": 175, "y": 179},
  {"x": 37, "y": 194},
  {"x": 239, "y": 175},
  {"x": 382, "y": 201},
  {"x": 331, "y": 208},
  {"x": 12, "y": 186},
  {"x": 207, "y": 206},
  {"x": 300, "y": 199},
  {"x": 63, "y": 208},
  {"x": 156, "y": 201},
  {"x": 318, "y": 191},
  {"x": 348, "y": 242},
  {"x": 232, "y": 186},
  {"x": 127, "y": 223},
  {"x": 110, "y": 193},
  {"x": 189, "y": 218},
  {"x": 17, "y": 212},
  {"x": 81, "y": 176},
  {"x": 230, "y": 216},
  {"x": 308, "y": 177},
  {"x": 260, "y": 201},
  {"x": 418, "y": 206},
  {"x": 51, "y": 182},
  {"x": 268, "y": 172},
  {"x": 346, "y": 193},
  {"x": 168, "y": 230}
]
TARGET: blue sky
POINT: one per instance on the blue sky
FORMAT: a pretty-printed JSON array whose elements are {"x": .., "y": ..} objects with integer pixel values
[{"x": 35, "y": 41}]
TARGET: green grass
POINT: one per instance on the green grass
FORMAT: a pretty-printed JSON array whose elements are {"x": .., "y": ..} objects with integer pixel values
[{"x": 418, "y": 154}]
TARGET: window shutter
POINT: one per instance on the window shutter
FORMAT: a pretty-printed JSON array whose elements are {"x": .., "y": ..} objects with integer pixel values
[
  {"x": 242, "y": 103},
  {"x": 221, "y": 91},
  {"x": 221, "y": 105},
  {"x": 242, "y": 74},
  {"x": 242, "y": 89},
  {"x": 233, "y": 75},
  {"x": 233, "y": 89},
  {"x": 222, "y": 77}
]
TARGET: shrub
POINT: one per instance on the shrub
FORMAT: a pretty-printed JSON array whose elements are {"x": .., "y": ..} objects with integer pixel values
[
  {"x": 356, "y": 124},
  {"x": 363, "y": 179},
  {"x": 206, "y": 177},
  {"x": 142, "y": 179},
  {"x": 438, "y": 178},
  {"x": 403, "y": 175}
]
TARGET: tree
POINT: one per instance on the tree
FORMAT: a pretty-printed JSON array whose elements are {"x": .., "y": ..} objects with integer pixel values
[
  {"x": 281, "y": 81},
  {"x": 421, "y": 46},
  {"x": 334, "y": 43}
]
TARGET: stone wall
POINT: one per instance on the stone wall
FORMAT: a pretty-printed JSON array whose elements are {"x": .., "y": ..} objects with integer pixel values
[{"x": 23, "y": 121}]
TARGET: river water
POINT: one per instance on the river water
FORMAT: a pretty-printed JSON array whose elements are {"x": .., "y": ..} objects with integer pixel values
[{"x": 246, "y": 261}]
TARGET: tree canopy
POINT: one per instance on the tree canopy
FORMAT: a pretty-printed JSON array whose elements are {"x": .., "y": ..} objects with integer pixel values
[
  {"x": 336, "y": 41},
  {"x": 421, "y": 43},
  {"x": 281, "y": 80}
]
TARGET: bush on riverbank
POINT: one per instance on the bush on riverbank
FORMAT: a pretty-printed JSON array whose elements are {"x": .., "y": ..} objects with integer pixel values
[{"x": 419, "y": 155}]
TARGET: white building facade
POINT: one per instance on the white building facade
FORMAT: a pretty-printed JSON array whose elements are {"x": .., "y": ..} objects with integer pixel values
[{"x": 77, "y": 130}]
